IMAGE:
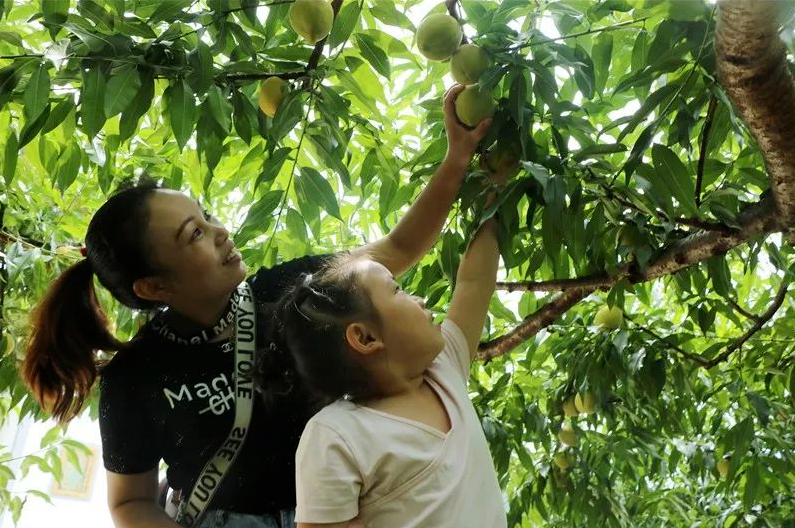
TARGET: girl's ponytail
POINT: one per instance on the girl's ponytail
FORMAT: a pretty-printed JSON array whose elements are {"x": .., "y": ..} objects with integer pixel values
[{"x": 68, "y": 327}]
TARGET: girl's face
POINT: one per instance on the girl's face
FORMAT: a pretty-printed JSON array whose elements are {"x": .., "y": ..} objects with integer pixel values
[
  {"x": 199, "y": 261},
  {"x": 406, "y": 327}
]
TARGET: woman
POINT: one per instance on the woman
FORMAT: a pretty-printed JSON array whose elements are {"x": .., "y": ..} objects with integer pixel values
[{"x": 169, "y": 393}]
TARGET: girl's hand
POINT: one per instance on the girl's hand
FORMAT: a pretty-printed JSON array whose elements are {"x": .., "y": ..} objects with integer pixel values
[{"x": 461, "y": 141}]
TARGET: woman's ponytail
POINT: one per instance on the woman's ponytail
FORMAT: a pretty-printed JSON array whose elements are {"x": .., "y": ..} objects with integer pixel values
[{"x": 68, "y": 327}]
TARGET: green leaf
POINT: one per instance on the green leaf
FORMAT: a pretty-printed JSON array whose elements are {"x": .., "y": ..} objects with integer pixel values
[
  {"x": 450, "y": 255},
  {"x": 517, "y": 100},
  {"x": 11, "y": 152},
  {"x": 649, "y": 104},
  {"x": 720, "y": 275},
  {"x": 295, "y": 224},
  {"x": 8, "y": 81},
  {"x": 686, "y": 10},
  {"x": 200, "y": 60},
  {"x": 598, "y": 150},
  {"x": 676, "y": 177},
  {"x": 272, "y": 166},
  {"x": 373, "y": 54},
  {"x": 316, "y": 190},
  {"x": 55, "y": 14},
  {"x": 57, "y": 116},
  {"x": 92, "y": 102},
  {"x": 602, "y": 54},
  {"x": 68, "y": 167},
  {"x": 37, "y": 93},
  {"x": 121, "y": 90},
  {"x": 258, "y": 217},
  {"x": 220, "y": 108},
  {"x": 287, "y": 116},
  {"x": 182, "y": 111},
  {"x": 12, "y": 38},
  {"x": 32, "y": 128},
  {"x": 137, "y": 108},
  {"x": 344, "y": 24}
]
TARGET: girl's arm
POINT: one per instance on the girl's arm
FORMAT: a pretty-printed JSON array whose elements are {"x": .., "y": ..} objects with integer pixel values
[
  {"x": 419, "y": 228},
  {"x": 475, "y": 285}
]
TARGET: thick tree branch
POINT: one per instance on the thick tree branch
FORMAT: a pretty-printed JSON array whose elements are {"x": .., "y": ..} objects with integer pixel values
[
  {"x": 752, "y": 67},
  {"x": 759, "y": 219},
  {"x": 764, "y": 318},
  {"x": 542, "y": 318},
  {"x": 702, "y": 157},
  {"x": 597, "y": 281}
]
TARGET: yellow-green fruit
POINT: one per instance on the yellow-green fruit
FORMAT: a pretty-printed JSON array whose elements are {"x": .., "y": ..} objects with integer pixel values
[
  {"x": 503, "y": 160},
  {"x": 271, "y": 95},
  {"x": 610, "y": 318},
  {"x": 311, "y": 19},
  {"x": 723, "y": 467},
  {"x": 438, "y": 36},
  {"x": 468, "y": 63},
  {"x": 585, "y": 403},
  {"x": 563, "y": 460},
  {"x": 567, "y": 436},
  {"x": 561, "y": 478},
  {"x": 473, "y": 105},
  {"x": 569, "y": 407}
]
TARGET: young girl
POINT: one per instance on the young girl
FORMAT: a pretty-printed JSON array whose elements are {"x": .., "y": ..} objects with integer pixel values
[{"x": 401, "y": 444}]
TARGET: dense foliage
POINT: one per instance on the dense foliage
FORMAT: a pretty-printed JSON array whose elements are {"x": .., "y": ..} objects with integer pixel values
[{"x": 629, "y": 146}]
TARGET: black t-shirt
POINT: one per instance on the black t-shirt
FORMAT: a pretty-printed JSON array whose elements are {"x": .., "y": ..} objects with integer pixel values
[{"x": 160, "y": 400}]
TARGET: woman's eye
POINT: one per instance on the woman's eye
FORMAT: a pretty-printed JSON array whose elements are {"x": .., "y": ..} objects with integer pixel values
[{"x": 196, "y": 234}]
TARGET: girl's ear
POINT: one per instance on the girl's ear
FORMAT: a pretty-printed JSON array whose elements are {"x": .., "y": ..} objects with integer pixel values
[{"x": 363, "y": 339}]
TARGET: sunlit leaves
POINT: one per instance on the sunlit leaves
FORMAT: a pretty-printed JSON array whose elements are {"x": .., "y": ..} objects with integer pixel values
[{"x": 182, "y": 111}]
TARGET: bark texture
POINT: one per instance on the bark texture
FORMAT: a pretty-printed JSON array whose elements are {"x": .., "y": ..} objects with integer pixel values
[{"x": 752, "y": 67}]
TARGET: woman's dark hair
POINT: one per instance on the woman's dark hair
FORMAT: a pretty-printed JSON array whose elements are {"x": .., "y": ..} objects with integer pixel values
[
  {"x": 68, "y": 325},
  {"x": 307, "y": 345}
]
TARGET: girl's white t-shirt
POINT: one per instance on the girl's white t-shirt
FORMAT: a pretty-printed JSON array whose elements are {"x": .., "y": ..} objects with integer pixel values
[{"x": 399, "y": 473}]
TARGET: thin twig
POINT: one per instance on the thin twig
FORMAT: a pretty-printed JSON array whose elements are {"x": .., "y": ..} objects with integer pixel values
[
  {"x": 226, "y": 12},
  {"x": 764, "y": 318},
  {"x": 452, "y": 8},
  {"x": 742, "y": 310},
  {"x": 702, "y": 158},
  {"x": 314, "y": 59},
  {"x": 575, "y": 35},
  {"x": 6, "y": 236},
  {"x": 695, "y": 357},
  {"x": 254, "y": 76},
  {"x": 304, "y": 126}
]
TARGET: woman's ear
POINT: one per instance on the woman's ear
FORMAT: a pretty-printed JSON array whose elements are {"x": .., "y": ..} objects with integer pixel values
[
  {"x": 363, "y": 338},
  {"x": 151, "y": 289}
]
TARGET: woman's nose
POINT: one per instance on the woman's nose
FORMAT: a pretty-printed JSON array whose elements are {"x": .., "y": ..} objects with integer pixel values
[{"x": 222, "y": 234}]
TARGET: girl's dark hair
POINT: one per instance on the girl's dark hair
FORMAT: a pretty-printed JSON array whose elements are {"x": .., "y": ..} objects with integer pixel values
[
  {"x": 307, "y": 347},
  {"x": 68, "y": 325}
]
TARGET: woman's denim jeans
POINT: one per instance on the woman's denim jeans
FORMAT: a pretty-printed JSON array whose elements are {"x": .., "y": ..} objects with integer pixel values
[{"x": 227, "y": 519}]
